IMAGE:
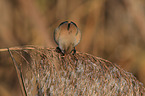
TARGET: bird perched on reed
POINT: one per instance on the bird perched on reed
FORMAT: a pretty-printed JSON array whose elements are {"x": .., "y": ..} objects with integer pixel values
[{"x": 67, "y": 35}]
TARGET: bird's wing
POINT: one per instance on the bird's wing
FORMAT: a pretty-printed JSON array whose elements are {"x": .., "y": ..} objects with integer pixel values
[
  {"x": 78, "y": 37},
  {"x": 56, "y": 35}
]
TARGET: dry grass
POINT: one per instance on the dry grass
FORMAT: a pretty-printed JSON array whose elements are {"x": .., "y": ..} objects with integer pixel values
[
  {"x": 47, "y": 73},
  {"x": 111, "y": 29}
]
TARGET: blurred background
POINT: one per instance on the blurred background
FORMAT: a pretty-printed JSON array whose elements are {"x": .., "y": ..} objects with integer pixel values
[{"x": 111, "y": 29}]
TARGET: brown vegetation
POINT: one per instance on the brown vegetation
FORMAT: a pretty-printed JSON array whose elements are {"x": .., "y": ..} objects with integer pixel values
[
  {"x": 45, "y": 72},
  {"x": 111, "y": 29}
]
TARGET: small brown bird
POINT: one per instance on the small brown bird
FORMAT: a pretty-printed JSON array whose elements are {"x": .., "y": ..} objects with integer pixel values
[{"x": 67, "y": 35}]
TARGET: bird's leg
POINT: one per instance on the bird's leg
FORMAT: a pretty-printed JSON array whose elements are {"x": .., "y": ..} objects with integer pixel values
[
  {"x": 59, "y": 51},
  {"x": 74, "y": 51}
]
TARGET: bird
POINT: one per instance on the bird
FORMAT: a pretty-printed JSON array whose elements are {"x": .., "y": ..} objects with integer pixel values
[{"x": 67, "y": 36}]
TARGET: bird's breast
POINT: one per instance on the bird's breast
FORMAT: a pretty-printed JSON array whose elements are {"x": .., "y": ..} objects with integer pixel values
[{"x": 66, "y": 39}]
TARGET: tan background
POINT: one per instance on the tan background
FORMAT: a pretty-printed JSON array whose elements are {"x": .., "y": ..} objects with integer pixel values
[{"x": 111, "y": 29}]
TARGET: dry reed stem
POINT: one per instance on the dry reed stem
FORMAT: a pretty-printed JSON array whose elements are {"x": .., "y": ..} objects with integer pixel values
[
  {"x": 46, "y": 72},
  {"x": 29, "y": 47},
  {"x": 38, "y": 20},
  {"x": 137, "y": 14},
  {"x": 19, "y": 74}
]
